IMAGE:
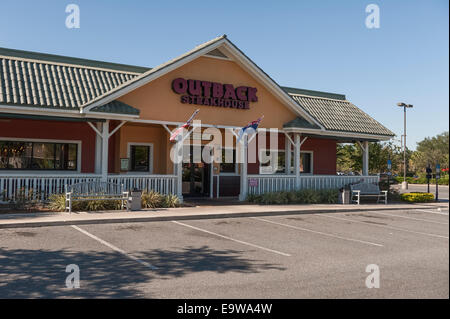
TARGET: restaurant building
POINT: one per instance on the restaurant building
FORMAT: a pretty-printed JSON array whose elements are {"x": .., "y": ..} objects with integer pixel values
[{"x": 66, "y": 120}]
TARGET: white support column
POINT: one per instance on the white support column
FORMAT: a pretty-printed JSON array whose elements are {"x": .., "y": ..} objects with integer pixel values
[
  {"x": 179, "y": 169},
  {"x": 244, "y": 159},
  {"x": 287, "y": 153},
  {"x": 105, "y": 139},
  {"x": 297, "y": 160},
  {"x": 365, "y": 160},
  {"x": 211, "y": 175},
  {"x": 98, "y": 150}
]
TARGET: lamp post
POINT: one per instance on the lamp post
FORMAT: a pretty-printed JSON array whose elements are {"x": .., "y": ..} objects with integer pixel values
[{"x": 405, "y": 106}]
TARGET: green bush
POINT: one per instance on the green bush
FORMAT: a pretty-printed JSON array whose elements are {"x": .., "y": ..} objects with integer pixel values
[
  {"x": 304, "y": 196},
  {"x": 444, "y": 180},
  {"x": 57, "y": 202},
  {"x": 171, "y": 201},
  {"x": 417, "y": 197},
  {"x": 150, "y": 199},
  {"x": 329, "y": 196}
]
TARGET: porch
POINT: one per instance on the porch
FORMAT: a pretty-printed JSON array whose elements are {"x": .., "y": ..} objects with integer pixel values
[{"x": 41, "y": 187}]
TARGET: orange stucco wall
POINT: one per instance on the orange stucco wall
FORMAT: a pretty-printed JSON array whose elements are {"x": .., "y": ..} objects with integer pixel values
[
  {"x": 157, "y": 101},
  {"x": 145, "y": 133}
]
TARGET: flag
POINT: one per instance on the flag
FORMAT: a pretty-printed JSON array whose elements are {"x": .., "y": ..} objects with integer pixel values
[
  {"x": 188, "y": 123},
  {"x": 253, "y": 125}
]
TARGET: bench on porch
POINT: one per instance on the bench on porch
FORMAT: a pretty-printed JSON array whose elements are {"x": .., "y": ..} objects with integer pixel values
[
  {"x": 95, "y": 190},
  {"x": 367, "y": 190}
]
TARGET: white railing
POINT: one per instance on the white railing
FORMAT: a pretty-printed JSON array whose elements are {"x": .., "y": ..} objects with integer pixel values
[
  {"x": 40, "y": 187},
  {"x": 260, "y": 184},
  {"x": 164, "y": 184}
]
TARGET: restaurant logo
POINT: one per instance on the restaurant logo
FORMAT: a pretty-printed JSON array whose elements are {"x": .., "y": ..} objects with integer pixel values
[{"x": 214, "y": 94}]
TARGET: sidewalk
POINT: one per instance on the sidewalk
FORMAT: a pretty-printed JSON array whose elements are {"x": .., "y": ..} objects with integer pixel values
[{"x": 190, "y": 213}]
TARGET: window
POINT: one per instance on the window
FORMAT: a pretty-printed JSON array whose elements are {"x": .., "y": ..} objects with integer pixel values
[
  {"x": 140, "y": 158},
  {"x": 18, "y": 155},
  {"x": 305, "y": 162},
  {"x": 278, "y": 157},
  {"x": 272, "y": 162},
  {"x": 227, "y": 154}
]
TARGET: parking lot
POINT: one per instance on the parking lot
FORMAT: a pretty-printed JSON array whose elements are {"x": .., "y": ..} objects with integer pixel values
[{"x": 321, "y": 255}]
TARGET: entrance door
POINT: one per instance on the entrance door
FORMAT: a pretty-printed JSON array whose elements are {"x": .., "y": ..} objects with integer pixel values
[{"x": 196, "y": 175}]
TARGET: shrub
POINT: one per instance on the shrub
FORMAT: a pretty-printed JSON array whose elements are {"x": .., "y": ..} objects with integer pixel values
[
  {"x": 329, "y": 196},
  {"x": 253, "y": 198},
  {"x": 57, "y": 203},
  {"x": 444, "y": 180},
  {"x": 417, "y": 197},
  {"x": 171, "y": 201},
  {"x": 304, "y": 196},
  {"x": 151, "y": 199},
  {"x": 309, "y": 196}
]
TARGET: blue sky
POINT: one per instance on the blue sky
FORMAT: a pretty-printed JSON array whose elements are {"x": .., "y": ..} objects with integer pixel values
[{"x": 312, "y": 44}]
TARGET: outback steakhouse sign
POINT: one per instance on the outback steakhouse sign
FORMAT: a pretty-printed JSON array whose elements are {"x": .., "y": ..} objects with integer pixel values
[{"x": 214, "y": 94}]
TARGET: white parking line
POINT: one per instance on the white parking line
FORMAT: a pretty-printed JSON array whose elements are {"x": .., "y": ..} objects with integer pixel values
[
  {"x": 146, "y": 264},
  {"x": 382, "y": 226},
  {"x": 430, "y": 212},
  {"x": 412, "y": 218},
  {"x": 232, "y": 239},
  {"x": 318, "y": 232}
]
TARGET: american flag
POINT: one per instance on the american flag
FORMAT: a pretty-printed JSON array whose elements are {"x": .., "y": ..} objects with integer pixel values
[{"x": 188, "y": 123}]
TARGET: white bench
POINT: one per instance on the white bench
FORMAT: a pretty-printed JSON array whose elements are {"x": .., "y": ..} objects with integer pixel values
[
  {"x": 367, "y": 190},
  {"x": 95, "y": 191}
]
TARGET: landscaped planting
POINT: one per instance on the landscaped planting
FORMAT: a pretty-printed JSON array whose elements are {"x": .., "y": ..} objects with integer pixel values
[
  {"x": 417, "y": 197},
  {"x": 304, "y": 196}
]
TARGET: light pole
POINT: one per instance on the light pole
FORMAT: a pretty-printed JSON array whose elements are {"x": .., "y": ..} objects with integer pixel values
[{"x": 405, "y": 106}]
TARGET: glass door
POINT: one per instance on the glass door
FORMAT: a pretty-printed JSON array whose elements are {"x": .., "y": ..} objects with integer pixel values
[{"x": 196, "y": 174}]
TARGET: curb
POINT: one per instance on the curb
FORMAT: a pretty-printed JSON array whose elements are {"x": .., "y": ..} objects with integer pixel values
[{"x": 189, "y": 217}]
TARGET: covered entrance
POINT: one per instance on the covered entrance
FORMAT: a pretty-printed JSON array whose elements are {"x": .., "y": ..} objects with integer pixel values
[{"x": 196, "y": 175}]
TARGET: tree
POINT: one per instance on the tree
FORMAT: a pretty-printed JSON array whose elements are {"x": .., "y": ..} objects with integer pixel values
[
  {"x": 349, "y": 157},
  {"x": 431, "y": 150}
]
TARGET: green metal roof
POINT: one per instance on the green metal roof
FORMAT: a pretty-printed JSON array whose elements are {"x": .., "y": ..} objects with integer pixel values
[
  {"x": 328, "y": 95},
  {"x": 53, "y": 58},
  {"x": 43, "y": 80},
  {"x": 116, "y": 107},
  {"x": 340, "y": 115},
  {"x": 300, "y": 122}
]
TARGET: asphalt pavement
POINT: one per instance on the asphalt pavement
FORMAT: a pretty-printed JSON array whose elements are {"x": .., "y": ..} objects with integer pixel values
[{"x": 304, "y": 255}]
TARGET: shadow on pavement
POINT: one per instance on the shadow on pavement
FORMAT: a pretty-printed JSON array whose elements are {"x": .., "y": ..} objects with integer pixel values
[{"x": 41, "y": 273}]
